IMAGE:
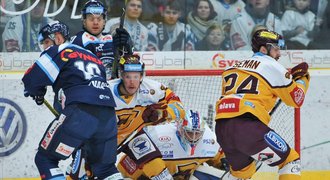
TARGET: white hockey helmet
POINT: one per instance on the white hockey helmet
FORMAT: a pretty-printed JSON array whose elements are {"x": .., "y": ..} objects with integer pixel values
[{"x": 191, "y": 128}]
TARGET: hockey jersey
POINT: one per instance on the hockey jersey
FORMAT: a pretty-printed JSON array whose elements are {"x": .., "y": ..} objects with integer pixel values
[
  {"x": 178, "y": 158},
  {"x": 102, "y": 47},
  {"x": 77, "y": 71},
  {"x": 253, "y": 86},
  {"x": 130, "y": 114}
]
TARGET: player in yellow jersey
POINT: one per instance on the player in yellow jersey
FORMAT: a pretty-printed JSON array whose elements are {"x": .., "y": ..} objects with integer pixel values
[
  {"x": 140, "y": 102},
  {"x": 185, "y": 145},
  {"x": 249, "y": 91}
]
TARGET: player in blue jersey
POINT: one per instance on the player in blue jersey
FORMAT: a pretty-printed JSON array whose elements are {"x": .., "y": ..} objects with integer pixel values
[
  {"x": 104, "y": 46},
  {"x": 89, "y": 106}
]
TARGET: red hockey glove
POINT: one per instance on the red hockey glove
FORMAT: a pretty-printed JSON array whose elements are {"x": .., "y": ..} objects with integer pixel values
[
  {"x": 155, "y": 113},
  {"x": 299, "y": 71}
]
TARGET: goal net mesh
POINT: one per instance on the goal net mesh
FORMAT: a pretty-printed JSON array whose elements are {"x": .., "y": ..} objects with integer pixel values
[{"x": 201, "y": 91}]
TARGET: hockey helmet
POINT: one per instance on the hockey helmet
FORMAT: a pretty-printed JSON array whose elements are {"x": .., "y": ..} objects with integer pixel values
[
  {"x": 191, "y": 128},
  {"x": 94, "y": 7},
  {"x": 49, "y": 30},
  {"x": 264, "y": 37},
  {"x": 131, "y": 63}
]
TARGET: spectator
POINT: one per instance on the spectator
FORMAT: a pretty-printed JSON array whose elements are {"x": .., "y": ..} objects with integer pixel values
[
  {"x": 256, "y": 12},
  {"x": 322, "y": 27},
  {"x": 21, "y": 31},
  {"x": 137, "y": 31},
  {"x": 227, "y": 11},
  {"x": 170, "y": 34},
  {"x": 4, "y": 18},
  {"x": 151, "y": 10},
  {"x": 214, "y": 39},
  {"x": 298, "y": 25},
  {"x": 201, "y": 18}
]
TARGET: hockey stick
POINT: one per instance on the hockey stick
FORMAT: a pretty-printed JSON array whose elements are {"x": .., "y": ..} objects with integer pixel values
[
  {"x": 278, "y": 103},
  {"x": 116, "y": 60},
  {"x": 50, "y": 107},
  {"x": 128, "y": 139}
]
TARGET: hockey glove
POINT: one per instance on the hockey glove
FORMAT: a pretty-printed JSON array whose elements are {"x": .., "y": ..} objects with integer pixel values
[
  {"x": 299, "y": 71},
  {"x": 224, "y": 165},
  {"x": 122, "y": 41},
  {"x": 155, "y": 114},
  {"x": 38, "y": 99}
]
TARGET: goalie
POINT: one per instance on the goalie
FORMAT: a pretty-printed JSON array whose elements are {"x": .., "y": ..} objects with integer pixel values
[
  {"x": 249, "y": 91},
  {"x": 185, "y": 145}
]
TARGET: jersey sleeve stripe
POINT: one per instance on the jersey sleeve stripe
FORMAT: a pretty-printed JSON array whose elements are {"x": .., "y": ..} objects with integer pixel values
[{"x": 48, "y": 66}]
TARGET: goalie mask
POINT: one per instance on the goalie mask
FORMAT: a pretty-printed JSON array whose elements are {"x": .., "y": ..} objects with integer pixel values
[
  {"x": 131, "y": 63},
  {"x": 191, "y": 129},
  {"x": 267, "y": 38}
]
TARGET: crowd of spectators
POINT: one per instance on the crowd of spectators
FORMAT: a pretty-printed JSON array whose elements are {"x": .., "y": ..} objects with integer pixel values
[{"x": 177, "y": 25}]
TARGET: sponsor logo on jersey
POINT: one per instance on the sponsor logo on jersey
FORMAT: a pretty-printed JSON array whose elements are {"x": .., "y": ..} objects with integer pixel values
[
  {"x": 275, "y": 141},
  {"x": 55, "y": 171},
  {"x": 164, "y": 138},
  {"x": 104, "y": 97},
  {"x": 248, "y": 103},
  {"x": 167, "y": 154},
  {"x": 99, "y": 48},
  {"x": 67, "y": 54},
  {"x": 64, "y": 149},
  {"x": 298, "y": 95},
  {"x": 13, "y": 127},
  {"x": 51, "y": 131},
  {"x": 144, "y": 91},
  {"x": 76, "y": 162},
  {"x": 295, "y": 167},
  {"x": 208, "y": 141},
  {"x": 129, "y": 165},
  {"x": 167, "y": 145},
  {"x": 228, "y": 105},
  {"x": 99, "y": 84},
  {"x": 265, "y": 156},
  {"x": 141, "y": 146}
]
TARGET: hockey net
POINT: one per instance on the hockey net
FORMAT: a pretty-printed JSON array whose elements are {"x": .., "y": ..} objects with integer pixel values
[{"x": 200, "y": 89}]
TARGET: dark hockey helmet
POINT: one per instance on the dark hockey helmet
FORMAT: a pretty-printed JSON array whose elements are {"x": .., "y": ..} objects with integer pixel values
[
  {"x": 264, "y": 37},
  {"x": 131, "y": 63},
  {"x": 94, "y": 7},
  {"x": 191, "y": 128},
  {"x": 49, "y": 30}
]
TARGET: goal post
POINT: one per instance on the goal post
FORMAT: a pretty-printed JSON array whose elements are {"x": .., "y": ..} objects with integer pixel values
[{"x": 200, "y": 89}]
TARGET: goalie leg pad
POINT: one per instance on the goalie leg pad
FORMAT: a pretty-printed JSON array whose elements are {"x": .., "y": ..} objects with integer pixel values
[
  {"x": 207, "y": 172},
  {"x": 290, "y": 171}
]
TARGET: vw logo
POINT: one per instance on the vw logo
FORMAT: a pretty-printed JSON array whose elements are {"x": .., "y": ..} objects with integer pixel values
[{"x": 12, "y": 127}]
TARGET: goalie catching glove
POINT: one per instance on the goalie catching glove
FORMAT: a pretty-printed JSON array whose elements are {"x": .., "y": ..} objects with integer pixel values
[
  {"x": 155, "y": 114},
  {"x": 299, "y": 71}
]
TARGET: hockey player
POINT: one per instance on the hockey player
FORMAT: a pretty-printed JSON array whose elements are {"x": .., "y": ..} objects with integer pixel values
[
  {"x": 94, "y": 15},
  {"x": 89, "y": 106},
  {"x": 185, "y": 145},
  {"x": 141, "y": 102},
  {"x": 249, "y": 91}
]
